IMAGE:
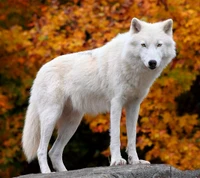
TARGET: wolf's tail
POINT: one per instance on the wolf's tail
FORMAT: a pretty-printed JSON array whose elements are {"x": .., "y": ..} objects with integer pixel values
[{"x": 31, "y": 133}]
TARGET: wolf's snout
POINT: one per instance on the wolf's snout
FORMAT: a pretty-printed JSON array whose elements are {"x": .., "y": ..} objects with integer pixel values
[{"x": 152, "y": 64}]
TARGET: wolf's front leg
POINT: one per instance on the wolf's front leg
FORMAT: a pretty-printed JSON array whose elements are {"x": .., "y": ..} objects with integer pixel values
[
  {"x": 132, "y": 110},
  {"x": 115, "y": 116}
]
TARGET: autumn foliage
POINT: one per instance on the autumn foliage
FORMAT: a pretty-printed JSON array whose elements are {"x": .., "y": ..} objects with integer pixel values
[{"x": 34, "y": 32}]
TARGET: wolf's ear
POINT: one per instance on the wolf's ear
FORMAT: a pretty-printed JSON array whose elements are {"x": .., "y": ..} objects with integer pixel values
[
  {"x": 168, "y": 25},
  {"x": 135, "y": 25}
]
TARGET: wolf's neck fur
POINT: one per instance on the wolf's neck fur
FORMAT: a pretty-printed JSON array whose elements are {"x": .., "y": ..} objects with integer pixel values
[
  {"x": 130, "y": 77},
  {"x": 112, "y": 54}
]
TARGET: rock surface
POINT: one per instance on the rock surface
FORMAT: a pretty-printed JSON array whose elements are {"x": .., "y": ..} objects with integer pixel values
[{"x": 128, "y": 171}]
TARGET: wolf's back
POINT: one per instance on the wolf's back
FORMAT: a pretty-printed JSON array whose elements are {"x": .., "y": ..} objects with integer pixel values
[{"x": 31, "y": 133}]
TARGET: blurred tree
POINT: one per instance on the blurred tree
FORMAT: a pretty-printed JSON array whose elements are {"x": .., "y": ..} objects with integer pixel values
[{"x": 34, "y": 32}]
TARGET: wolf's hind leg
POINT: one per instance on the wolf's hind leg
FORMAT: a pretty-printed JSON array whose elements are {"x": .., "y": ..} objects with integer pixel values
[
  {"x": 48, "y": 119},
  {"x": 68, "y": 123}
]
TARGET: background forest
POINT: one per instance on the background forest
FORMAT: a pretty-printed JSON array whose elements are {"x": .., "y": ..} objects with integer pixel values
[{"x": 33, "y": 32}]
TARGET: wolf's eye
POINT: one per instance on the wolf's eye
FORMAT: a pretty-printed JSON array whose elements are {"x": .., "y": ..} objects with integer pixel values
[
  {"x": 143, "y": 45},
  {"x": 159, "y": 45}
]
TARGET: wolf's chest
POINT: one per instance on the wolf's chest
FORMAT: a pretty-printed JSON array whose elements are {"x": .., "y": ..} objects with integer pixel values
[{"x": 136, "y": 87}]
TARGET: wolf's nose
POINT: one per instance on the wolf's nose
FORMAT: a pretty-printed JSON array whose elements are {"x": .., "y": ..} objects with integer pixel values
[{"x": 152, "y": 64}]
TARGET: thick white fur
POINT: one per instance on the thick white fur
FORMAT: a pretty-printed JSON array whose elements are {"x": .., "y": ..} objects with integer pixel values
[{"x": 108, "y": 78}]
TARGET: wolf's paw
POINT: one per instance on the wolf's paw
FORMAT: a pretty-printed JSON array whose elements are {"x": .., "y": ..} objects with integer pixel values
[
  {"x": 116, "y": 162},
  {"x": 131, "y": 161},
  {"x": 140, "y": 162}
]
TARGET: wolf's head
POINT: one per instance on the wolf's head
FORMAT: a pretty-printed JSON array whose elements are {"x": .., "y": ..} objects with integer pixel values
[{"x": 151, "y": 43}]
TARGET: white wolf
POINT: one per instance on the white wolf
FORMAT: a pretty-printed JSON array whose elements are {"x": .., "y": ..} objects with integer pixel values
[{"x": 116, "y": 75}]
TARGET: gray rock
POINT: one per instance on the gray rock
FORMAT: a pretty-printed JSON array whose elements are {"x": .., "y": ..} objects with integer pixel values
[{"x": 127, "y": 171}]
